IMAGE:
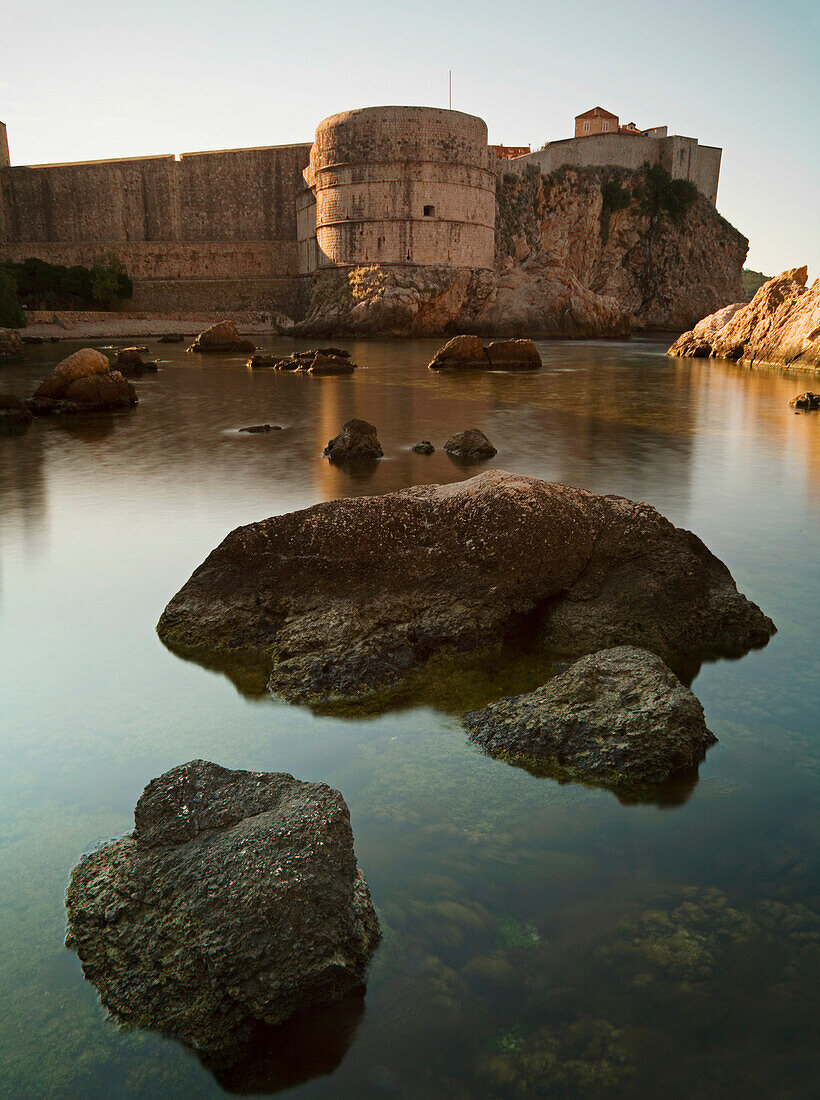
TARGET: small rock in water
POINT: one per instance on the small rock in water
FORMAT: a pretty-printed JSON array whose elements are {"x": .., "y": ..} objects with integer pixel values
[
  {"x": 222, "y": 336},
  {"x": 236, "y": 900},
  {"x": 806, "y": 400},
  {"x": 14, "y": 416},
  {"x": 356, "y": 440},
  {"x": 171, "y": 338},
  {"x": 329, "y": 364},
  {"x": 617, "y": 716},
  {"x": 423, "y": 447},
  {"x": 259, "y": 428},
  {"x": 471, "y": 445}
]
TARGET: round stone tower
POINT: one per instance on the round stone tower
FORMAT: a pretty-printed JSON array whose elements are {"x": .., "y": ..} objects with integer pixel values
[{"x": 399, "y": 185}]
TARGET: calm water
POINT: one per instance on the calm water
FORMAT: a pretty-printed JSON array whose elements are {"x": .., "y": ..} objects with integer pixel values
[{"x": 539, "y": 939}]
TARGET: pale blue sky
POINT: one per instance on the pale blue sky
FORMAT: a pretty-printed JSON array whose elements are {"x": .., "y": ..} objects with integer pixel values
[{"x": 97, "y": 78}]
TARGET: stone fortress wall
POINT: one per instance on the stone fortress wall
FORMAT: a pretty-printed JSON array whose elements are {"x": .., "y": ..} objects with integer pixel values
[
  {"x": 208, "y": 230},
  {"x": 682, "y": 157},
  {"x": 233, "y": 230},
  {"x": 399, "y": 186}
]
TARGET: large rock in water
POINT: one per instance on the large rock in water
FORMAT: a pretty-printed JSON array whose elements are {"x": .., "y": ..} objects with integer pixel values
[
  {"x": 357, "y": 441},
  {"x": 471, "y": 445},
  {"x": 85, "y": 363},
  {"x": 223, "y": 336},
  {"x": 235, "y": 900},
  {"x": 780, "y": 326},
  {"x": 618, "y": 716},
  {"x": 353, "y": 595}
]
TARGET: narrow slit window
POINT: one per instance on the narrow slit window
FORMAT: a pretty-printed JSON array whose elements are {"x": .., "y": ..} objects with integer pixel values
[{"x": 429, "y": 211}]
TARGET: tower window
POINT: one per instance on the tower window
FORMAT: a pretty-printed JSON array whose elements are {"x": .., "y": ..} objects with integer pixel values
[{"x": 429, "y": 211}]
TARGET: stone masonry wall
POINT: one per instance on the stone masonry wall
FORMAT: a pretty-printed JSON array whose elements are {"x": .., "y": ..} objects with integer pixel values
[{"x": 222, "y": 224}]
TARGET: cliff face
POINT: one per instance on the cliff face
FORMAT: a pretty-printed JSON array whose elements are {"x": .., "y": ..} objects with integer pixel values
[
  {"x": 655, "y": 245},
  {"x": 579, "y": 253}
]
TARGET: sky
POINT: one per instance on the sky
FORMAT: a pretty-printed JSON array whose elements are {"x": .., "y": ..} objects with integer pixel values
[{"x": 95, "y": 79}]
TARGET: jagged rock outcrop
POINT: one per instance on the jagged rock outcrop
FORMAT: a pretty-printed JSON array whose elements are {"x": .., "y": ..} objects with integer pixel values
[
  {"x": 11, "y": 344},
  {"x": 235, "y": 900},
  {"x": 223, "y": 336},
  {"x": 583, "y": 252},
  {"x": 357, "y": 441},
  {"x": 84, "y": 382},
  {"x": 618, "y": 716},
  {"x": 779, "y": 327},
  {"x": 354, "y": 594}
]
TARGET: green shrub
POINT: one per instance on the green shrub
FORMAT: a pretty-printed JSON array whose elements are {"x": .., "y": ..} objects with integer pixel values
[
  {"x": 614, "y": 197},
  {"x": 661, "y": 194},
  {"x": 11, "y": 316},
  {"x": 41, "y": 285}
]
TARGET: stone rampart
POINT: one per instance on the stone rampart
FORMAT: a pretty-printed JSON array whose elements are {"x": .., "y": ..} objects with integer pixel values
[
  {"x": 682, "y": 157},
  {"x": 222, "y": 224}
]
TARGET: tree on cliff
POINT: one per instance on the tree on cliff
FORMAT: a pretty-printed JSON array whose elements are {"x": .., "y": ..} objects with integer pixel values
[{"x": 11, "y": 316}]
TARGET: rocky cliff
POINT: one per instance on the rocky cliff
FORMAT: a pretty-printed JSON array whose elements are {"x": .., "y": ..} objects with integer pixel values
[
  {"x": 579, "y": 253},
  {"x": 780, "y": 326}
]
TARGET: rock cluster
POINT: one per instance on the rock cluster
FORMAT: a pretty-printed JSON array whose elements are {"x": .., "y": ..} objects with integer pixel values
[
  {"x": 223, "y": 336},
  {"x": 84, "y": 382},
  {"x": 312, "y": 361},
  {"x": 235, "y": 900},
  {"x": 468, "y": 353},
  {"x": 353, "y": 595},
  {"x": 130, "y": 362},
  {"x": 780, "y": 326},
  {"x": 357, "y": 441},
  {"x": 618, "y": 716}
]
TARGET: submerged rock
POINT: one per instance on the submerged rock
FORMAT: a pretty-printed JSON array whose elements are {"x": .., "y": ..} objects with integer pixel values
[
  {"x": 11, "y": 344},
  {"x": 14, "y": 416},
  {"x": 222, "y": 336},
  {"x": 423, "y": 447},
  {"x": 171, "y": 338},
  {"x": 260, "y": 361},
  {"x": 806, "y": 400},
  {"x": 356, "y": 441},
  {"x": 236, "y": 900},
  {"x": 471, "y": 445},
  {"x": 258, "y": 429},
  {"x": 330, "y": 364},
  {"x": 780, "y": 326},
  {"x": 616, "y": 716},
  {"x": 355, "y": 594}
]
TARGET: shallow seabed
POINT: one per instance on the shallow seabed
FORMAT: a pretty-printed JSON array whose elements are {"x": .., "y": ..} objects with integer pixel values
[{"x": 539, "y": 939}]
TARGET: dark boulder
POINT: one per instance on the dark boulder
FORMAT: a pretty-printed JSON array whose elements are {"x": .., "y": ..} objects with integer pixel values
[
  {"x": 513, "y": 355},
  {"x": 222, "y": 336},
  {"x": 258, "y": 429},
  {"x": 236, "y": 900},
  {"x": 471, "y": 445},
  {"x": 806, "y": 400},
  {"x": 423, "y": 447},
  {"x": 356, "y": 441},
  {"x": 260, "y": 361},
  {"x": 460, "y": 353},
  {"x": 329, "y": 364},
  {"x": 14, "y": 416},
  {"x": 354, "y": 594},
  {"x": 11, "y": 344},
  {"x": 171, "y": 338},
  {"x": 617, "y": 717}
]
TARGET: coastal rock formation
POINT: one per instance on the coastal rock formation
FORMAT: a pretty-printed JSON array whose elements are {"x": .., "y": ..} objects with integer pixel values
[
  {"x": 84, "y": 382},
  {"x": 235, "y": 900},
  {"x": 356, "y": 441},
  {"x": 222, "y": 336},
  {"x": 780, "y": 327},
  {"x": 471, "y": 445},
  {"x": 354, "y": 594},
  {"x": 468, "y": 353},
  {"x": 311, "y": 361},
  {"x": 618, "y": 716},
  {"x": 11, "y": 344}
]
